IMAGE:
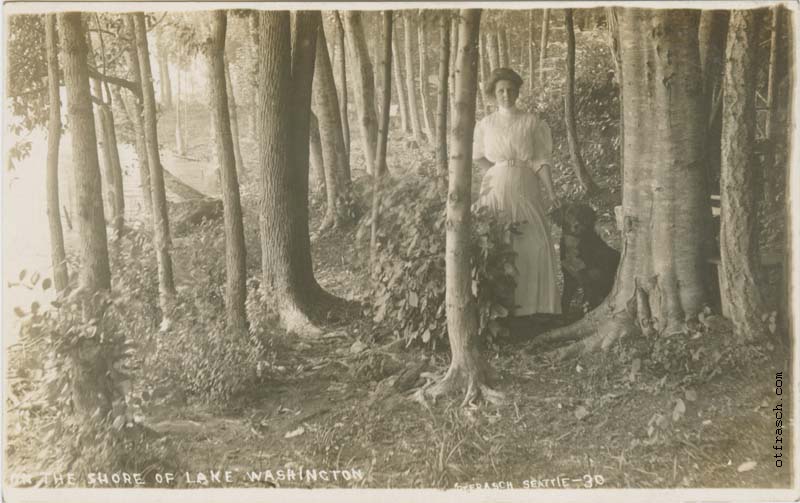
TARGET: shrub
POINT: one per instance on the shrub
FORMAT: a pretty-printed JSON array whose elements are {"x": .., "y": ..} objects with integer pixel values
[{"x": 409, "y": 291}]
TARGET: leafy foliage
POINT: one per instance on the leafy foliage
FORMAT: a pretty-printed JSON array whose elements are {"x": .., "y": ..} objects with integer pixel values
[
  {"x": 409, "y": 294},
  {"x": 27, "y": 72},
  {"x": 199, "y": 356},
  {"x": 79, "y": 347}
]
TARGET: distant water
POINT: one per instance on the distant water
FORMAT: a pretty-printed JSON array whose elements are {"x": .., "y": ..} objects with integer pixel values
[{"x": 26, "y": 234}]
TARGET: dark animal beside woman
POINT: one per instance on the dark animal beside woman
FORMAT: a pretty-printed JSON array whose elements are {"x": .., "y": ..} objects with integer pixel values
[{"x": 587, "y": 262}]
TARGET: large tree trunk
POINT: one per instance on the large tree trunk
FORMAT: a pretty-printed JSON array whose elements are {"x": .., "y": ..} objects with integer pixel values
[
  {"x": 578, "y": 166},
  {"x": 399, "y": 85},
  {"x": 364, "y": 86},
  {"x": 161, "y": 235},
  {"x": 738, "y": 239},
  {"x": 334, "y": 153},
  {"x": 94, "y": 273},
  {"x": 135, "y": 108},
  {"x": 252, "y": 25},
  {"x": 468, "y": 371},
  {"x": 89, "y": 383},
  {"x": 423, "y": 77},
  {"x": 285, "y": 81},
  {"x": 341, "y": 72},
  {"x": 660, "y": 281},
  {"x": 235, "y": 266},
  {"x": 58, "y": 253},
  {"x": 543, "y": 45},
  {"x": 441, "y": 102},
  {"x": 237, "y": 149},
  {"x": 383, "y": 134},
  {"x": 413, "y": 111}
]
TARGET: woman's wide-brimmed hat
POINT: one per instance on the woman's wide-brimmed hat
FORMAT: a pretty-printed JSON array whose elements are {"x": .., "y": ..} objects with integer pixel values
[{"x": 499, "y": 74}]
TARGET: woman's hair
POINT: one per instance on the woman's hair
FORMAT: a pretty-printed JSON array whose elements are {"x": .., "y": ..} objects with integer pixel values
[{"x": 499, "y": 74}]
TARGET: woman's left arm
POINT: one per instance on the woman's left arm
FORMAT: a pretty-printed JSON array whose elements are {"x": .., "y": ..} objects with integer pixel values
[{"x": 547, "y": 180}]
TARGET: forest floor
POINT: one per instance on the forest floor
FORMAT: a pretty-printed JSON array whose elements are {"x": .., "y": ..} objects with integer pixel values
[{"x": 700, "y": 416}]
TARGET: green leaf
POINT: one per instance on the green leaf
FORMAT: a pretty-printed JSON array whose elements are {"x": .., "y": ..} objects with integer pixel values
[
  {"x": 22, "y": 274},
  {"x": 46, "y": 283},
  {"x": 413, "y": 300}
]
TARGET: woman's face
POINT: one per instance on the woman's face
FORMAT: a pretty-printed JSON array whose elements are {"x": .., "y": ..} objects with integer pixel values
[{"x": 505, "y": 93}]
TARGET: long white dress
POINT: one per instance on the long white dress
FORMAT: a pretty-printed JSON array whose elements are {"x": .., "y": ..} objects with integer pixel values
[{"x": 518, "y": 144}]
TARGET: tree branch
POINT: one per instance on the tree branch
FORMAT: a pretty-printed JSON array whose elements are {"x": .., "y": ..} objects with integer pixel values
[{"x": 127, "y": 84}]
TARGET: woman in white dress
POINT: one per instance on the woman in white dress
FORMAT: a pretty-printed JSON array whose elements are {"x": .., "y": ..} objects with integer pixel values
[{"x": 516, "y": 146}]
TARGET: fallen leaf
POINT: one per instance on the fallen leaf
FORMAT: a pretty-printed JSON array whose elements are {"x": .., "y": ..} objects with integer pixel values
[
  {"x": 578, "y": 368},
  {"x": 746, "y": 467},
  {"x": 691, "y": 395},
  {"x": 296, "y": 433},
  {"x": 357, "y": 347},
  {"x": 679, "y": 410},
  {"x": 581, "y": 412}
]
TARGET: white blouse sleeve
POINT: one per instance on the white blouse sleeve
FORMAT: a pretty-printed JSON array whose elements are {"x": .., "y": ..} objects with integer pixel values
[
  {"x": 477, "y": 142},
  {"x": 542, "y": 144}
]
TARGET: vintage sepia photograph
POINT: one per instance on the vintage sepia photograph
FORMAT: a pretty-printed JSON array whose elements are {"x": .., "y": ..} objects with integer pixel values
[{"x": 500, "y": 250}]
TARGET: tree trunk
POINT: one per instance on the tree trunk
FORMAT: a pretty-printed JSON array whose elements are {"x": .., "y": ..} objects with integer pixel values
[
  {"x": 441, "y": 102},
  {"x": 166, "y": 85},
  {"x": 578, "y": 166},
  {"x": 738, "y": 237},
  {"x": 317, "y": 163},
  {"x": 413, "y": 111},
  {"x": 235, "y": 264},
  {"x": 161, "y": 235},
  {"x": 383, "y": 134},
  {"x": 423, "y": 77},
  {"x": 136, "y": 111},
  {"x": 252, "y": 24},
  {"x": 341, "y": 67},
  {"x": 712, "y": 34},
  {"x": 285, "y": 92},
  {"x": 771, "y": 71},
  {"x": 180, "y": 137},
  {"x": 494, "y": 51},
  {"x": 364, "y": 86},
  {"x": 468, "y": 371},
  {"x": 502, "y": 48},
  {"x": 58, "y": 254},
  {"x": 234, "y": 116},
  {"x": 89, "y": 383},
  {"x": 543, "y": 45},
  {"x": 482, "y": 76},
  {"x": 660, "y": 281},
  {"x": 334, "y": 154},
  {"x": 612, "y": 24},
  {"x": 94, "y": 273},
  {"x": 399, "y": 85},
  {"x": 531, "y": 60},
  {"x": 117, "y": 191},
  {"x": 453, "y": 55}
]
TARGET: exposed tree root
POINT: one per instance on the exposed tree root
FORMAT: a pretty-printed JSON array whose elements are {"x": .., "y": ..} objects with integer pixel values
[
  {"x": 471, "y": 383},
  {"x": 599, "y": 329},
  {"x": 296, "y": 321}
]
